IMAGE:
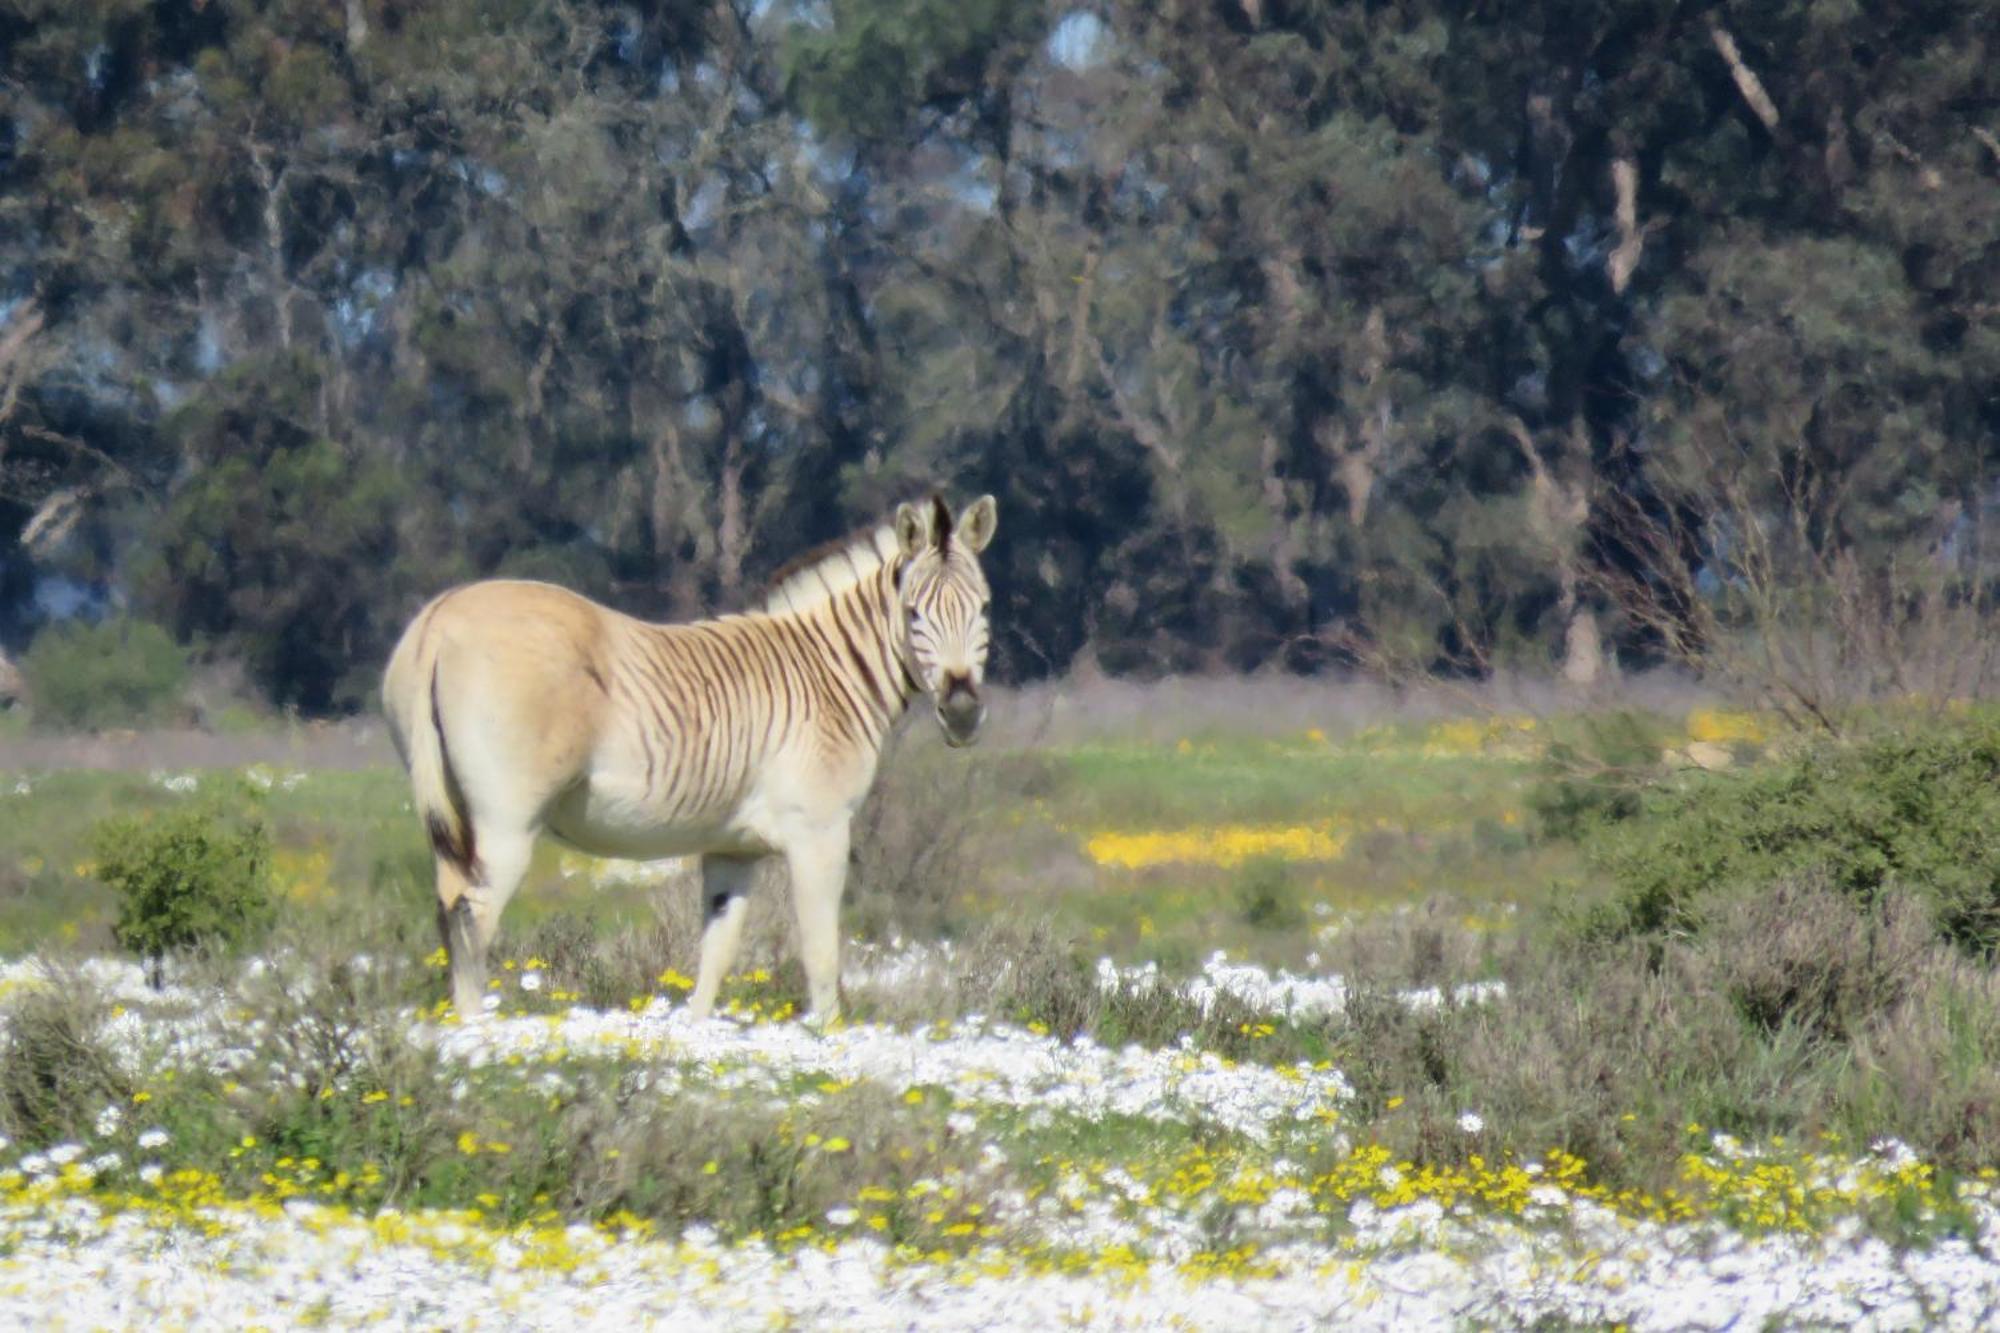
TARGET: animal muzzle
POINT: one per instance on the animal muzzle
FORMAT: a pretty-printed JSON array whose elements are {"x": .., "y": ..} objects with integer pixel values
[{"x": 960, "y": 710}]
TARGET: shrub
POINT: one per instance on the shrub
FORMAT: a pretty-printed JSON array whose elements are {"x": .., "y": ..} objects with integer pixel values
[
  {"x": 919, "y": 841},
  {"x": 1596, "y": 777},
  {"x": 117, "y": 673},
  {"x": 191, "y": 880},
  {"x": 1920, "y": 810},
  {"x": 1265, "y": 899},
  {"x": 55, "y": 1073}
]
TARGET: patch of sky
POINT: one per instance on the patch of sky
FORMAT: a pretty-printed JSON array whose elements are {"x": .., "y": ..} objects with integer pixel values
[
  {"x": 971, "y": 182},
  {"x": 701, "y": 208},
  {"x": 207, "y": 348},
  {"x": 698, "y": 415},
  {"x": 815, "y": 14},
  {"x": 1065, "y": 149},
  {"x": 1530, "y": 392},
  {"x": 480, "y": 177},
  {"x": 829, "y": 161},
  {"x": 1078, "y": 40},
  {"x": 357, "y": 313},
  {"x": 1586, "y": 246},
  {"x": 60, "y": 597}
]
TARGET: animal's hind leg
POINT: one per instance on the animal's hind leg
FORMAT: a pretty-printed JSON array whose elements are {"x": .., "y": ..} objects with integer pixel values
[
  {"x": 470, "y": 918},
  {"x": 454, "y": 920},
  {"x": 725, "y": 901}
]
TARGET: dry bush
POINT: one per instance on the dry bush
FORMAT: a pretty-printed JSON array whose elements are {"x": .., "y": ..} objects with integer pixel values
[
  {"x": 1770, "y": 588},
  {"x": 55, "y": 1074},
  {"x": 1927, "y": 1069},
  {"x": 1425, "y": 944},
  {"x": 1791, "y": 1012},
  {"x": 608, "y": 969},
  {"x": 924, "y": 839},
  {"x": 1805, "y": 956}
]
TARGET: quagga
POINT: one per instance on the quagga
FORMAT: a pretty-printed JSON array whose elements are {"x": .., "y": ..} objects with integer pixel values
[{"x": 521, "y": 708}]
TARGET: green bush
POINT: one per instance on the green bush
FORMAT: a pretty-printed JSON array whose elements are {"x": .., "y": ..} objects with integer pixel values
[
  {"x": 1265, "y": 899},
  {"x": 1917, "y": 810},
  {"x": 118, "y": 673},
  {"x": 189, "y": 881},
  {"x": 1596, "y": 777}
]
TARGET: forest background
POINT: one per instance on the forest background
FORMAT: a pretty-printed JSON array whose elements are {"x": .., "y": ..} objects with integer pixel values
[{"x": 1544, "y": 337}]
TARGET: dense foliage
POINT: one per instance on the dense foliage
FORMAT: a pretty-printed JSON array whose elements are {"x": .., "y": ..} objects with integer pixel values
[
  {"x": 1287, "y": 331},
  {"x": 117, "y": 672},
  {"x": 1917, "y": 811},
  {"x": 190, "y": 881}
]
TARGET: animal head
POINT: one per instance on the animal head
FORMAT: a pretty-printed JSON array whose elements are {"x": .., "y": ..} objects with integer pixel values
[{"x": 942, "y": 602}]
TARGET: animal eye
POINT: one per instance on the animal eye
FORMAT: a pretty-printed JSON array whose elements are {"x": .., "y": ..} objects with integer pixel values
[{"x": 910, "y": 614}]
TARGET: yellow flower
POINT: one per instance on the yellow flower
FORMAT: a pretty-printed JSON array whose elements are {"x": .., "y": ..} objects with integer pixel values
[
  {"x": 1216, "y": 845},
  {"x": 468, "y": 1142},
  {"x": 1715, "y": 726}
]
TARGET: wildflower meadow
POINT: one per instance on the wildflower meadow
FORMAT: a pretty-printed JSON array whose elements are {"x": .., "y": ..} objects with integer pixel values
[{"x": 1282, "y": 1026}]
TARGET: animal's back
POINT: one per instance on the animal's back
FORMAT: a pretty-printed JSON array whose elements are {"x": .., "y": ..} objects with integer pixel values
[{"x": 514, "y": 674}]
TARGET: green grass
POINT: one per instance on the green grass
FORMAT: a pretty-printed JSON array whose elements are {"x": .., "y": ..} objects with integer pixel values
[
  {"x": 1794, "y": 1011},
  {"x": 1416, "y": 826}
]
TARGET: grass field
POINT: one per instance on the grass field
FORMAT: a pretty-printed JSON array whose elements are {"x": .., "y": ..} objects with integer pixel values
[{"x": 1143, "y": 1018}]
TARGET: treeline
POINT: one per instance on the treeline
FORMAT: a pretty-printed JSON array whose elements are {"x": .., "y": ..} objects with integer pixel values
[{"x": 1288, "y": 332}]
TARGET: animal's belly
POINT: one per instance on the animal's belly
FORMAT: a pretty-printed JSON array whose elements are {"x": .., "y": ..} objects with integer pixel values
[{"x": 596, "y": 819}]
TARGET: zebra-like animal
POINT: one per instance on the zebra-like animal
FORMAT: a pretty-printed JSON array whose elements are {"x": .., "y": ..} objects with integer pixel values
[{"x": 521, "y": 708}]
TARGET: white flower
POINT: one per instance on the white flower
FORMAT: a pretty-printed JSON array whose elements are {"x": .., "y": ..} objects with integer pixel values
[
  {"x": 1471, "y": 1123},
  {"x": 1390, "y": 1177},
  {"x": 150, "y": 1172},
  {"x": 531, "y": 981},
  {"x": 1895, "y": 1153},
  {"x": 154, "y": 1138},
  {"x": 958, "y": 1122},
  {"x": 65, "y": 1153},
  {"x": 104, "y": 1163},
  {"x": 35, "y": 1164},
  {"x": 108, "y": 1121},
  {"x": 842, "y": 1217}
]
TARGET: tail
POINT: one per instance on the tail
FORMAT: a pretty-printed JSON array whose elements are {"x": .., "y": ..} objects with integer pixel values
[{"x": 439, "y": 801}]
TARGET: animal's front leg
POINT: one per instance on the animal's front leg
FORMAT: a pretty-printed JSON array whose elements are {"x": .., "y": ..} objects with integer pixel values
[
  {"x": 725, "y": 899},
  {"x": 818, "y": 865}
]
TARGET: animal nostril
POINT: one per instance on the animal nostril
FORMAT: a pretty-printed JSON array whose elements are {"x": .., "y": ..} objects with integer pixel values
[{"x": 959, "y": 685}]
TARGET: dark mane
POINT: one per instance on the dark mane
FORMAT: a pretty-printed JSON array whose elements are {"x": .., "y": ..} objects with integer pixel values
[{"x": 827, "y": 569}]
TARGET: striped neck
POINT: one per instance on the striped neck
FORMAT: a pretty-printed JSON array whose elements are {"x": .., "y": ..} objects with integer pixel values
[{"x": 854, "y": 630}]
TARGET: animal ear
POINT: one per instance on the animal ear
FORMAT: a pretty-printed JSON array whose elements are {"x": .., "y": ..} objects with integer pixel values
[
  {"x": 976, "y": 523},
  {"x": 913, "y": 528}
]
